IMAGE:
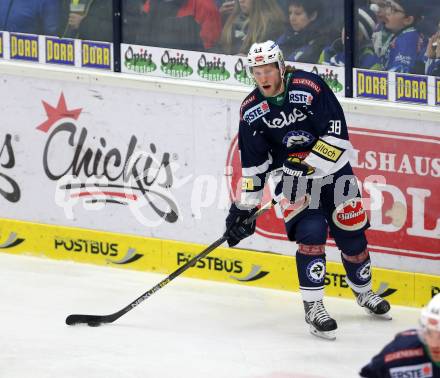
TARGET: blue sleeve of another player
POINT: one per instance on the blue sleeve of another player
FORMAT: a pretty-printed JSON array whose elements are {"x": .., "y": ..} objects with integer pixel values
[
  {"x": 375, "y": 369},
  {"x": 398, "y": 352}
]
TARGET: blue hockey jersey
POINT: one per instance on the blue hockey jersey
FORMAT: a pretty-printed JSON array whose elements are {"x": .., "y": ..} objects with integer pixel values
[
  {"x": 433, "y": 67},
  {"x": 306, "y": 120},
  {"x": 405, "y": 52},
  {"x": 404, "y": 357}
]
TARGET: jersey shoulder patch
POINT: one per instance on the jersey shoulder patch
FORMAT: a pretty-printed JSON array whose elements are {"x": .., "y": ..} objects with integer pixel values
[
  {"x": 253, "y": 107},
  {"x": 306, "y": 81},
  {"x": 250, "y": 99}
]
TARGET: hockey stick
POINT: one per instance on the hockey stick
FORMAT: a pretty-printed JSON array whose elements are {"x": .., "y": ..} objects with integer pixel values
[{"x": 97, "y": 320}]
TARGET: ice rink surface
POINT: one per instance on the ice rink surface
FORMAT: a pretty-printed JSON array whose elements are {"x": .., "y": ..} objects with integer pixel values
[{"x": 188, "y": 329}]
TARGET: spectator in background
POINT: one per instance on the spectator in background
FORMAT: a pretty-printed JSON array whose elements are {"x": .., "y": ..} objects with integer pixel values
[
  {"x": 365, "y": 56},
  {"x": 181, "y": 24},
  {"x": 433, "y": 54},
  {"x": 225, "y": 7},
  {"x": 93, "y": 21},
  {"x": 431, "y": 14},
  {"x": 381, "y": 37},
  {"x": 251, "y": 21},
  {"x": 30, "y": 16},
  {"x": 306, "y": 35},
  {"x": 132, "y": 18},
  {"x": 405, "y": 52}
]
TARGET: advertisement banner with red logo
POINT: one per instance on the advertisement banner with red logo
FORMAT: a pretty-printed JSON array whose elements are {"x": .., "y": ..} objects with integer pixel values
[{"x": 134, "y": 161}]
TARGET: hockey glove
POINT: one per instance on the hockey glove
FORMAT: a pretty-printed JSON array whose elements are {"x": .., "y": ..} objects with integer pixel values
[
  {"x": 236, "y": 230},
  {"x": 293, "y": 169}
]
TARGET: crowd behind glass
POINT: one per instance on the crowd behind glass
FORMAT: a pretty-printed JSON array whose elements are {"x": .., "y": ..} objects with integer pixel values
[{"x": 391, "y": 35}]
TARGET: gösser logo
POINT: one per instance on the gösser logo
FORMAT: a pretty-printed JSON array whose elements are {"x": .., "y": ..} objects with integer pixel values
[{"x": 350, "y": 215}]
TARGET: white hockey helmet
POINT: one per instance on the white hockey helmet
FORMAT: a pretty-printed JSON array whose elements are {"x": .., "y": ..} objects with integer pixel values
[
  {"x": 265, "y": 53},
  {"x": 430, "y": 317}
]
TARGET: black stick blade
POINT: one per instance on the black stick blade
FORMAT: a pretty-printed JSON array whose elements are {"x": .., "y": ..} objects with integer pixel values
[{"x": 90, "y": 320}]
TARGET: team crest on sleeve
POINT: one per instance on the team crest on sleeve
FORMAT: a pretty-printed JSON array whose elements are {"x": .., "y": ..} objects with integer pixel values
[
  {"x": 298, "y": 138},
  {"x": 256, "y": 112},
  {"x": 300, "y": 97},
  {"x": 350, "y": 215}
]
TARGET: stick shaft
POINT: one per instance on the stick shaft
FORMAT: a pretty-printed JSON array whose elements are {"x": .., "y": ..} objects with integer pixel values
[{"x": 77, "y": 319}]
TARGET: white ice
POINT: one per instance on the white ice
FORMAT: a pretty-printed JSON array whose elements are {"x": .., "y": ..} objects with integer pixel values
[{"x": 188, "y": 329}]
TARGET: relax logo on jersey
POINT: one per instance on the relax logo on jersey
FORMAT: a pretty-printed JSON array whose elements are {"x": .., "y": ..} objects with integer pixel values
[
  {"x": 285, "y": 120},
  {"x": 141, "y": 62},
  {"x": 350, "y": 215},
  {"x": 412, "y": 371},
  {"x": 256, "y": 112},
  {"x": 300, "y": 97},
  {"x": 298, "y": 138}
]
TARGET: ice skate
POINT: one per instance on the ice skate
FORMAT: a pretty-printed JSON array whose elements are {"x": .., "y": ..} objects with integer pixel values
[
  {"x": 374, "y": 304},
  {"x": 321, "y": 324}
]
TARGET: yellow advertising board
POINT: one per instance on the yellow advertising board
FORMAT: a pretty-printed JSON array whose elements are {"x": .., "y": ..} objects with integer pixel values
[{"x": 235, "y": 266}]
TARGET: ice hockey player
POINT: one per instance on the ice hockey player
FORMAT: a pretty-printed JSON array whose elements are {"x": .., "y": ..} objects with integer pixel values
[
  {"x": 293, "y": 126},
  {"x": 413, "y": 353}
]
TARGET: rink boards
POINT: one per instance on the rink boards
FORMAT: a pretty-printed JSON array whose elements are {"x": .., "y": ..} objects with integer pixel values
[{"x": 236, "y": 266}]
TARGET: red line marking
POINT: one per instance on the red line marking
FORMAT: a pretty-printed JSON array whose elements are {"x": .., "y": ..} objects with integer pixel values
[{"x": 110, "y": 194}]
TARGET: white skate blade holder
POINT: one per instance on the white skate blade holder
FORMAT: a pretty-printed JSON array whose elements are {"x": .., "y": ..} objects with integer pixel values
[
  {"x": 327, "y": 335},
  {"x": 386, "y": 316}
]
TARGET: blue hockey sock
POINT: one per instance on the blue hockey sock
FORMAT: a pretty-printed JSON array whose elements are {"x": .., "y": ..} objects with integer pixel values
[{"x": 311, "y": 273}]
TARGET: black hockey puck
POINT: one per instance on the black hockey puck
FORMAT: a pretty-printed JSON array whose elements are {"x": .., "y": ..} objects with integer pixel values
[{"x": 93, "y": 324}]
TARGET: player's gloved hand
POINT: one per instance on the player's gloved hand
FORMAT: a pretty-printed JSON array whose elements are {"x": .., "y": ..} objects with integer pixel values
[
  {"x": 236, "y": 230},
  {"x": 293, "y": 169}
]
